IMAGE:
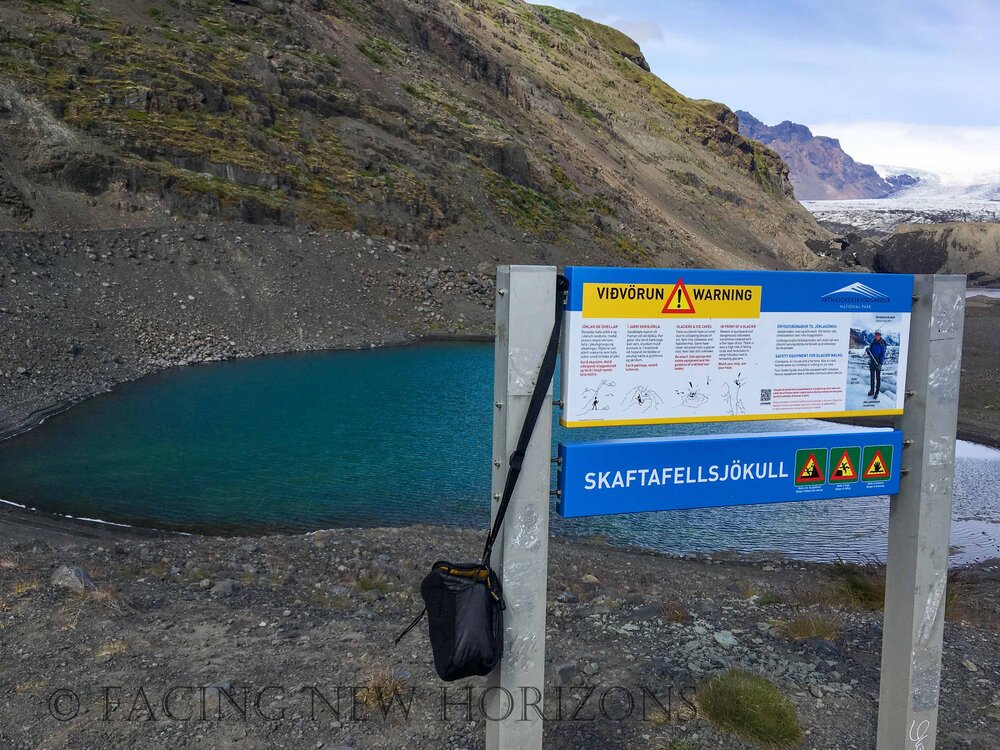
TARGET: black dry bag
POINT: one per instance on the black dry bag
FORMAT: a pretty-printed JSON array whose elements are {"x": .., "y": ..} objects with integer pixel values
[{"x": 464, "y": 619}]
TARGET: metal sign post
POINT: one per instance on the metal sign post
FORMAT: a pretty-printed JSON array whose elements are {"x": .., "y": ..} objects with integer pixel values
[
  {"x": 648, "y": 346},
  {"x": 514, "y": 694},
  {"x": 920, "y": 520}
]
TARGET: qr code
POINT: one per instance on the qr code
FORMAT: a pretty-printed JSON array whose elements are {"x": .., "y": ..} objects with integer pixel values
[{"x": 765, "y": 395}]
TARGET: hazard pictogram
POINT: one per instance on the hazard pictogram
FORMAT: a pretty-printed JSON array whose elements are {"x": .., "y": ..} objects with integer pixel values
[
  {"x": 811, "y": 471},
  {"x": 678, "y": 301},
  {"x": 844, "y": 468},
  {"x": 877, "y": 467}
]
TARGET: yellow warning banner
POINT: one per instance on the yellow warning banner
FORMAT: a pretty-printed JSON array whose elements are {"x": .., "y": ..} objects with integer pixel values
[{"x": 670, "y": 301}]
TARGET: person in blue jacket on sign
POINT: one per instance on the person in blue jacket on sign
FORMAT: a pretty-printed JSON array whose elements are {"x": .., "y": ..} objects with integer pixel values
[{"x": 876, "y": 357}]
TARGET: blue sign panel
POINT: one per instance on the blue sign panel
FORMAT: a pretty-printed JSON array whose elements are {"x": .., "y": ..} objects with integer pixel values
[{"x": 652, "y": 474}]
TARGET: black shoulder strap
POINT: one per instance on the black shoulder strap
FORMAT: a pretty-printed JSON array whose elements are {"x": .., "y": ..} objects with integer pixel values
[
  {"x": 411, "y": 626},
  {"x": 545, "y": 373}
]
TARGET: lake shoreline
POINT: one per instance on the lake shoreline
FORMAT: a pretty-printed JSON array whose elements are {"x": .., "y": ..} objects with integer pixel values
[
  {"x": 40, "y": 415},
  {"x": 84, "y": 311},
  {"x": 20, "y": 524},
  {"x": 111, "y": 306},
  {"x": 973, "y": 432},
  {"x": 118, "y": 505}
]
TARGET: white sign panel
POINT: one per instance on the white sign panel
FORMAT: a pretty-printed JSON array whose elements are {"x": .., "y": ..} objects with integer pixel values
[{"x": 648, "y": 346}]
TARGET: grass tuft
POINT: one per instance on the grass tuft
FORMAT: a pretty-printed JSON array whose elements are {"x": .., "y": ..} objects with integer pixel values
[
  {"x": 20, "y": 588},
  {"x": 812, "y": 625},
  {"x": 379, "y": 690},
  {"x": 379, "y": 51},
  {"x": 375, "y": 582},
  {"x": 102, "y": 598},
  {"x": 31, "y": 686},
  {"x": 862, "y": 584},
  {"x": 673, "y": 612},
  {"x": 114, "y": 648},
  {"x": 751, "y": 708},
  {"x": 965, "y": 603},
  {"x": 323, "y": 599}
]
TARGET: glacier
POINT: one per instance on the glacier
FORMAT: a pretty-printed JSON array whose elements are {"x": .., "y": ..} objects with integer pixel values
[{"x": 935, "y": 198}]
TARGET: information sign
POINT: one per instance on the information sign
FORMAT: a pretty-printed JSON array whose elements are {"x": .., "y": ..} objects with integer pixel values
[{"x": 668, "y": 345}]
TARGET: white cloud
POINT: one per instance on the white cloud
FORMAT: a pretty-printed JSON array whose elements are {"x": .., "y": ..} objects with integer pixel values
[
  {"x": 929, "y": 61},
  {"x": 958, "y": 153}
]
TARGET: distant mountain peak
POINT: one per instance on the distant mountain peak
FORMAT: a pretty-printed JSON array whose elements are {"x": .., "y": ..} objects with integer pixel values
[
  {"x": 751, "y": 127},
  {"x": 819, "y": 168}
]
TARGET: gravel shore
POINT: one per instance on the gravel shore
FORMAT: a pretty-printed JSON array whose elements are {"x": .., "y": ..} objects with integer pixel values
[
  {"x": 289, "y": 618},
  {"x": 83, "y": 311}
]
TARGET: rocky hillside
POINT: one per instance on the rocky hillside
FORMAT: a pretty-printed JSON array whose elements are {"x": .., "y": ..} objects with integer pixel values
[
  {"x": 819, "y": 168},
  {"x": 418, "y": 120}
]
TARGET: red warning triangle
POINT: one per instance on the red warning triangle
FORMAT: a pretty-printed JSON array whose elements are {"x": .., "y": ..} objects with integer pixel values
[
  {"x": 811, "y": 471},
  {"x": 678, "y": 301},
  {"x": 844, "y": 469},
  {"x": 877, "y": 469}
]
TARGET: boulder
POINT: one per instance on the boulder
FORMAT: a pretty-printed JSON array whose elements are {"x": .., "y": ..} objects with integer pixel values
[
  {"x": 72, "y": 577},
  {"x": 224, "y": 588},
  {"x": 725, "y": 638},
  {"x": 561, "y": 672}
]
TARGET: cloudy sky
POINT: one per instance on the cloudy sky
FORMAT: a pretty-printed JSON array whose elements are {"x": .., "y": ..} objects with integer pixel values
[{"x": 911, "y": 83}]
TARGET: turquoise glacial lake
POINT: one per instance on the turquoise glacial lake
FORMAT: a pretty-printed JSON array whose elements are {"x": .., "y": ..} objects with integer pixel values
[{"x": 387, "y": 437}]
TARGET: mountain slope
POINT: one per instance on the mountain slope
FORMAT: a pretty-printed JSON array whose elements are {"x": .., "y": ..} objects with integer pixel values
[
  {"x": 418, "y": 120},
  {"x": 819, "y": 168}
]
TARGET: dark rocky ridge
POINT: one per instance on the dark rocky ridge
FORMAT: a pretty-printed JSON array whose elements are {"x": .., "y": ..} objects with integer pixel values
[
  {"x": 956, "y": 247},
  {"x": 819, "y": 168},
  {"x": 966, "y": 248}
]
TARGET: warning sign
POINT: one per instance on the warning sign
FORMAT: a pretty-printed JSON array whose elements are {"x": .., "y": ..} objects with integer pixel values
[
  {"x": 845, "y": 465},
  {"x": 810, "y": 466},
  {"x": 679, "y": 301},
  {"x": 670, "y": 301},
  {"x": 665, "y": 345},
  {"x": 605, "y": 477},
  {"x": 877, "y": 463}
]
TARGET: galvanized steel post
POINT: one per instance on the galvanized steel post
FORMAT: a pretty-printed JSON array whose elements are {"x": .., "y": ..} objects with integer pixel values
[
  {"x": 920, "y": 520},
  {"x": 514, "y": 695}
]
